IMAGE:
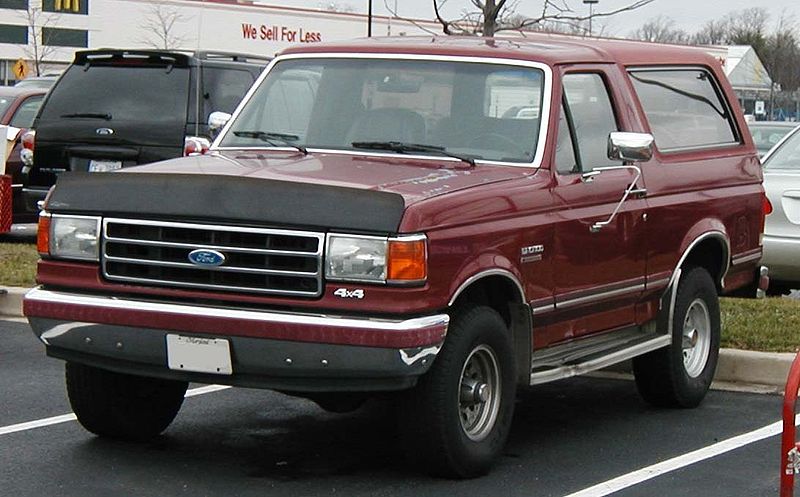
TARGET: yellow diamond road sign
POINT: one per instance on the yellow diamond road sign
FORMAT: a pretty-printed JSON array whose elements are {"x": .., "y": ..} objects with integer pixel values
[{"x": 21, "y": 69}]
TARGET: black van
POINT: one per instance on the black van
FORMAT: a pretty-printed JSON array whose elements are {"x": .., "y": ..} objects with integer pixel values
[{"x": 117, "y": 108}]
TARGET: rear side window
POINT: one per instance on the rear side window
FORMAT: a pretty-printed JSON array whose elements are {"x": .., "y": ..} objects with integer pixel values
[
  {"x": 23, "y": 116},
  {"x": 684, "y": 107},
  {"x": 120, "y": 92},
  {"x": 222, "y": 90}
]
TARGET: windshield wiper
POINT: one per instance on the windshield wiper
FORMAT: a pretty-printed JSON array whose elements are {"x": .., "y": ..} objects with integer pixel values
[
  {"x": 96, "y": 115},
  {"x": 271, "y": 138},
  {"x": 403, "y": 147}
]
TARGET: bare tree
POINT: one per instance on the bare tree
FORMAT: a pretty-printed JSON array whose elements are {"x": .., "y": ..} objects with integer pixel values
[
  {"x": 40, "y": 38},
  {"x": 749, "y": 27},
  {"x": 713, "y": 32},
  {"x": 487, "y": 17},
  {"x": 160, "y": 27},
  {"x": 660, "y": 29},
  {"x": 781, "y": 54}
]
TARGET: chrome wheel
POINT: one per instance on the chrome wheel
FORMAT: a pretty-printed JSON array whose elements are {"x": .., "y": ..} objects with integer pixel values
[
  {"x": 696, "y": 340},
  {"x": 479, "y": 393}
]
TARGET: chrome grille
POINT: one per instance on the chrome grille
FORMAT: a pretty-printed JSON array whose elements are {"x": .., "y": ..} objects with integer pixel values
[{"x": 282, "y": 262}]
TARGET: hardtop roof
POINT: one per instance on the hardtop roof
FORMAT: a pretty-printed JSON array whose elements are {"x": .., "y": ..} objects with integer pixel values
[{"x": 550, "y": 49}]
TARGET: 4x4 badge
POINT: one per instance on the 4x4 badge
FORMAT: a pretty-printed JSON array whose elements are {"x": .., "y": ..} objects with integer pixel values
[{"x": 104, "y": 131}]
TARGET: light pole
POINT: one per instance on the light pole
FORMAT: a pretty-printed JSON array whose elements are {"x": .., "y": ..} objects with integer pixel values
[
  {"x": 591, "y": 12},
  {"x": 369, "y": 20}
]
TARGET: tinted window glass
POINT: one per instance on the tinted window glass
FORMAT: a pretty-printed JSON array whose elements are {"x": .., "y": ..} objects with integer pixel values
[
  {"x": 224, "y": 88},
  {"x": 127, "y": 93},
  {"x": 592, "y": 118},
  {"x": 23, "y": 116},
  {"x": 684, "y": 108},
  {"x": 487, "y": 111},
  {"x": 787, "y": 156}
]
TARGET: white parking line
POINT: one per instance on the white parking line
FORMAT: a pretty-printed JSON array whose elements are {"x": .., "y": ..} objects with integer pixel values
[
  {"x": 658, "y": 469},
  {"x": 66, "y": 418}
]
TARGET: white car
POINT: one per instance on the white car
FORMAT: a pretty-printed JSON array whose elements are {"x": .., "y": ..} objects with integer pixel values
[{"x": 782, "y": 230}]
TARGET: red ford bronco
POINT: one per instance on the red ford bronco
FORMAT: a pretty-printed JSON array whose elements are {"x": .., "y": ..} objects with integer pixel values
[{"x": 444, "y": 218}]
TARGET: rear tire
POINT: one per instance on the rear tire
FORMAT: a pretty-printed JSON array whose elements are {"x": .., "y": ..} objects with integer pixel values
[
  {"x": 681, "y": 374},
  {"x": 122, "y": 406},
  {"x": 456, "y": 421}
]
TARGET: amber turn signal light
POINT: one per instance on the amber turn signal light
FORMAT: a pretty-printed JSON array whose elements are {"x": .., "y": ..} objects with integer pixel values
[
  {"x": 43, "y": 234},
  {"x": 407, "y": 261}
]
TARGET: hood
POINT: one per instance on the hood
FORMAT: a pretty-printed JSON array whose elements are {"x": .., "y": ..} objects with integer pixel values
[{"x": 414, "y": 179}]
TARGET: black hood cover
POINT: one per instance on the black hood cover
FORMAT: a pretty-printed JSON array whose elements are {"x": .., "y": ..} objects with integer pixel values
[{"x": 227, "y": 199}]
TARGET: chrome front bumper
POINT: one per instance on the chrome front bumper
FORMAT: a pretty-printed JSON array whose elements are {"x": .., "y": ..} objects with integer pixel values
[{"x": 284, "y": 351}]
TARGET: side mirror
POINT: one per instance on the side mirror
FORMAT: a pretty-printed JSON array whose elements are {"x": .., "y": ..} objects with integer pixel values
[
  {"x": 634, "y": 147},
  {"x": 216, "y": 121}
]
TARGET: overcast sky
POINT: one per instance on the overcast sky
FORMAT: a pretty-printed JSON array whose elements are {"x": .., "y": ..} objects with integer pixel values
[{"x": 688, "y": 14}]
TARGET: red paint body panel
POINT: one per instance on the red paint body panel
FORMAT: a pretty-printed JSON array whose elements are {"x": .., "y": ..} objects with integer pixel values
[{"x": 479, "y": 219}]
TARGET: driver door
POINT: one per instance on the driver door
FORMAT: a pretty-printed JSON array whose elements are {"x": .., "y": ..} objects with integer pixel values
[{"x": 598, "y": 274}]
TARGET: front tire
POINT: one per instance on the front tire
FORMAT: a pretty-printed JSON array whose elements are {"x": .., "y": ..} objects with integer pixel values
[
  {"x": 681, "y": 374},
  {"x": 456, "y": 421},
  {"x": 122, "y": 406}
]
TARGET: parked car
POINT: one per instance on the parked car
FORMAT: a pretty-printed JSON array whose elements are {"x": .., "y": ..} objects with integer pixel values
[
  {"x": 18, "y": 107},
  {"x": 782, "y": 231},
  {"x": 766, "y": 134},
  {"x": 41, "y": 82},
  {"x": 384, "y": 230},
  {"x": 119, "y": 108}
]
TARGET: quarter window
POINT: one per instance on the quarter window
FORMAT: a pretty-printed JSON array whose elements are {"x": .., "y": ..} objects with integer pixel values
[{"x": 684, "y": 108}]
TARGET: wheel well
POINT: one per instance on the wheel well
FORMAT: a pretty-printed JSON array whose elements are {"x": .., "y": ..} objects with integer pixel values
[
  {"x": 504, "y": 295},
  {"x": 494, "y": 291},
  {"x": 710, "y": 254}
]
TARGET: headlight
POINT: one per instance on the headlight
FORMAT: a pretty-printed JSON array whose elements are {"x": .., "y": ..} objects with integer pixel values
[
  {"x": 74, "y": 237},
  {"x": 398, "y": 260},
  {"x": 356, "y": 258}
]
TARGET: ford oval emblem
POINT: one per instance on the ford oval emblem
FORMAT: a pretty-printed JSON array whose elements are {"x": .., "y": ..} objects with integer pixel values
[
  {"x": 206, "y": 257},
  {"x": 104, "y": 131}
]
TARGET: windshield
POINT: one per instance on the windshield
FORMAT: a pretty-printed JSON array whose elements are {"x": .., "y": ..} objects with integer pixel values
[
  {"x": 787, "y": 156},
  {"x": 122, "y": 93},
  {"x": 482, "y": 111},
  {"x": 5, "y": 103},
  {"x": 765, "y": 136}
]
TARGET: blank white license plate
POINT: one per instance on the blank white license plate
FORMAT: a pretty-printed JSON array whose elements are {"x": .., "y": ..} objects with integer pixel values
[
  {"x": 102, "y": 166},
  {"x": 200, "y": 355}
]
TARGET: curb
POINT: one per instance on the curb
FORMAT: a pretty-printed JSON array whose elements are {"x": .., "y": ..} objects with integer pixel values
[
  {"x": 735, "y": 367},
  {"x": 11, "y": 300}
]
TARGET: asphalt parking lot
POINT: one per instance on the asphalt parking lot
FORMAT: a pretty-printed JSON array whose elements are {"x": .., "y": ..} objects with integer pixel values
[{"x": 579, "y": 438}]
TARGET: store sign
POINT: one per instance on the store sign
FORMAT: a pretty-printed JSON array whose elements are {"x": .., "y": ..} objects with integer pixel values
[{"x": 279, "y": 33}]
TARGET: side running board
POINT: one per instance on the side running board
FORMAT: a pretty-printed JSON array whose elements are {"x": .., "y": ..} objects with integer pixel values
[{"x": 590, "y": 354}]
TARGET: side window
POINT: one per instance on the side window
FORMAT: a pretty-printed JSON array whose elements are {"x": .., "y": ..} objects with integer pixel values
[
  {"x": 23, "y": 116},
  {"x": 684, "y": 107},
  {"x": 565, "y": 152},
  {"x": 224, "y": 88},
  {"x": 589, "y": 107}
]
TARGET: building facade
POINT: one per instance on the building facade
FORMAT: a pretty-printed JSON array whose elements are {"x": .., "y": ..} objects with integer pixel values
[{"x": 49, "y": 31}]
